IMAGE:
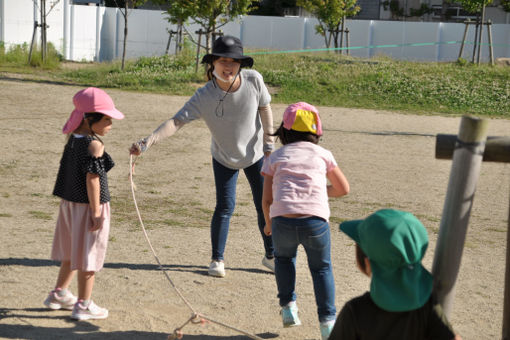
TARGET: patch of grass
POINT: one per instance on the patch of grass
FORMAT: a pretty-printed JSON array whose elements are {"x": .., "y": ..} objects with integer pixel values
[
  {"x": 336, "y": 220},
  {"x": 5, "y": 215},
  {"x": 16, "y": 57},
  {"x": 498, "y": 230},
  {"x": 40, "y": 215},
  {"x": 321, "y": 78}
]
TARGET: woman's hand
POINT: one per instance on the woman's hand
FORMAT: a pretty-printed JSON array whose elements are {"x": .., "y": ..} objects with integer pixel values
[{"x": 135, "y": 149}]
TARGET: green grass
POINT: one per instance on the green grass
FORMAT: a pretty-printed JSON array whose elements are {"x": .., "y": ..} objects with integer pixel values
[
  {"x": 40, "y": 215},
  {"x": 320, "y": 78}
]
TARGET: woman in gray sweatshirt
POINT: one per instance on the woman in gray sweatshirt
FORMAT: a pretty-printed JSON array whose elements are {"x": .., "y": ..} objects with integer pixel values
[{"x": 235, "y": 105}]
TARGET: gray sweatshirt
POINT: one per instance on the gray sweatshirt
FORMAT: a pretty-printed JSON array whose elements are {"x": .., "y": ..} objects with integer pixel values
[{"x": 233, "y": 119}]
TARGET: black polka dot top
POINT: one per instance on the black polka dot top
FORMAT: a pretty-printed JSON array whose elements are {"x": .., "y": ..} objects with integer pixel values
[{"x": 76, "y": 162}]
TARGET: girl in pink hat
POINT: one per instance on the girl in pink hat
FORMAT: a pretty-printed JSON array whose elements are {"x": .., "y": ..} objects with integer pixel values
[
  {"x": 296, "y": 211},
  {"x": 83, "y": 223}
]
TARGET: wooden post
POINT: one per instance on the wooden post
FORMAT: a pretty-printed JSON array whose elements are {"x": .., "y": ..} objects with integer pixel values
[
  {"x": 489, "y": 34},
  {"x": 506, "y": 300},
  {"x": 480, "y": 36},
  {"x": 342, "y": 30},
  {"x": 43, "y": 30},
  {"x": 347, "y": 40},
  {"x": 467, "y": 160},
  {"x": 170, "y": 33},
  {"x": 199, "y": 32},
  {"x": 464, "y": 38},
  {"x": 476, "y": 37},
  {"x": 497, "y": 149},
  {"x": 36, "y": 24}
]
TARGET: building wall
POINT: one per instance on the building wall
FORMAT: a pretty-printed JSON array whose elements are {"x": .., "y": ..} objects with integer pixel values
[{"x": 95, "y": 33}]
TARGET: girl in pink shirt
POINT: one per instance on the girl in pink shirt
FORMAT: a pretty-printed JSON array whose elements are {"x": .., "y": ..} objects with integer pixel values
[{"x": 296, "y": 210}]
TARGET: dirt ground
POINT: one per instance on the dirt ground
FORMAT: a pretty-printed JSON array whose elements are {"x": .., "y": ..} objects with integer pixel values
[{"x": 387, "y": 157}]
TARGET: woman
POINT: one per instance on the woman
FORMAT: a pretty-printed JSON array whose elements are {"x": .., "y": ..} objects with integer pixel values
[{"x": 235, "y": 105}]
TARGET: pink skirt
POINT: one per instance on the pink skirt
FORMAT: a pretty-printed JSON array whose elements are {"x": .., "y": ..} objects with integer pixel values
[{"x": 74, "y": 242}]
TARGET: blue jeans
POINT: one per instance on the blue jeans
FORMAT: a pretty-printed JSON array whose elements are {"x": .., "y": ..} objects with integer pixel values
[
  {"x": 226, "y": 180},
  {"x": 313, "y": 233}
]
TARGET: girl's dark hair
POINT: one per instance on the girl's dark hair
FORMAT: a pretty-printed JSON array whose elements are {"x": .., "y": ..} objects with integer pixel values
[
  {"x": 290, "y": 136},
  {"x": 360, "y": 258},
  {"x": 92, "y": 118},
  {"x": 210, "y": 66}
]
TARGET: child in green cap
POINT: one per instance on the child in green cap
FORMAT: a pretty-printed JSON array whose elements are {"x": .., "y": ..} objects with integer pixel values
[{"x": 390, "y": 245}]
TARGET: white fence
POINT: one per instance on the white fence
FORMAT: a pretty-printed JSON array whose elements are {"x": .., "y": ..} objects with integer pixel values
[{"x": 96, "y": 33}]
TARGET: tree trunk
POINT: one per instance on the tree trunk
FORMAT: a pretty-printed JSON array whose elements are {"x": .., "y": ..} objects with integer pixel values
[
  {"x": 125, "y": 34},
  {"x": 444, "y": 8}
]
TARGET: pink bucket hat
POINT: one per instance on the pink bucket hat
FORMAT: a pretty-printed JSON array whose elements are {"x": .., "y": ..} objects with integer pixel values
[
  {"x": 88, "y": 100},
  {"x": 302, "y": 117}
]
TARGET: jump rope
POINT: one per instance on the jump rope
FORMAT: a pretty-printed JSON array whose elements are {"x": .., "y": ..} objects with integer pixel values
[{"x": 196, "y": 317}]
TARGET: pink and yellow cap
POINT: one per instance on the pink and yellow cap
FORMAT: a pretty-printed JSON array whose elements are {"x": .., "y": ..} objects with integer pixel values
[{"x": 302, "y": 117}]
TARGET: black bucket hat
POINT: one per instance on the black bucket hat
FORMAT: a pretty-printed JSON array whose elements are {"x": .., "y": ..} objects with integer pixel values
[{"x": 228, "y": 47}]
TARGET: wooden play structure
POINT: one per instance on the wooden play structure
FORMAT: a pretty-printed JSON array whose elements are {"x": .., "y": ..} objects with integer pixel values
[{"x": 467, "y": 150}]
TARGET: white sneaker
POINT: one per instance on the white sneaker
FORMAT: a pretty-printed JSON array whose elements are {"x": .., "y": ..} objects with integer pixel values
[
  {"x": 326, "y": 328},
  {"x": 268, "y": 263},
  {"x": 92, "y": 311},
  {"x": 290, "y": 316},
  {"x": 55, "y": 302},
  {"x": 217, "y": 269}
]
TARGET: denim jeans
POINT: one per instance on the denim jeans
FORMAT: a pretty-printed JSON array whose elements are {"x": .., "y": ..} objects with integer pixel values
[
  {"x": 226, "y": 181},
  {"x": 313, "y": 233}
]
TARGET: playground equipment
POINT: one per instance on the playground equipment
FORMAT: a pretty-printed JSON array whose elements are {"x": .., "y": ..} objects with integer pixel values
[{"x": 467, "y": 150}]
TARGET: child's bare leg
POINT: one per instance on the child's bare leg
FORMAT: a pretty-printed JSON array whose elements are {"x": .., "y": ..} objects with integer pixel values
[
  {"x": 65, "y": 275},
  {"x": 85, "y": 284}
]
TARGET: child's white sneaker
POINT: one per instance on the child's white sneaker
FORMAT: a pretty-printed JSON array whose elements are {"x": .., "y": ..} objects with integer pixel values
[
  {"x": 326, "y": 328},
  {"x": 290, "y": 315},
  {"x": 92, "y": 311},
  {"x": 268, "y": 263},
  {"x": 55, "y": 301},
  {"x": 217, "y": 269}
]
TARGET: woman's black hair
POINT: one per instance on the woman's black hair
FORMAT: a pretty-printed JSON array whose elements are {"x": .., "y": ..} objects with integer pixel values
[
  {"x": 210, "y": 66},
  {"x": 92, "y": 118},
  {"x": 290, "y": 136}
]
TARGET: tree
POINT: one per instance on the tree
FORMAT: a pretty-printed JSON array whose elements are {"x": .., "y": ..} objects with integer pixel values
[
  {"x": 43, "y": 26},
  {"x": 474, "y": 6},
  {"x": 273, "y": 8},
  {"x": 177, "y": 14},
  {"x": 331, "y": 14},
  {"x": 125, "y": 6},
  {"x": 213, "y": 14}
]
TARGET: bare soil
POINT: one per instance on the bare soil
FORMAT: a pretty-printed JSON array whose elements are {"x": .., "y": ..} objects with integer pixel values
[{"x": 387, "y": 157}]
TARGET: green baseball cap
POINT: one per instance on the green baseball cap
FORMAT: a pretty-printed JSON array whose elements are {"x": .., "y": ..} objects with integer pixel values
[{"x": 395, "y": 242}]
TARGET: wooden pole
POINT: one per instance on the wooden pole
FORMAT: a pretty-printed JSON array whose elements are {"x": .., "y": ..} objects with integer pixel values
[
  {"x": 476, "y": 37},
  {"x": 199, "y": 32},
  {"x": 170, "y": 33},
  {"x": 467, "y": 160},
  {"x": 463, "y": 39},
  {"x": 497, "y": 149},
  {"x": 43, "y": 30},
  {"x": 36, "y": 24},
  {"x": 506, "y": 303},
  {"x": 347, "y": 40},
  {"x": 480, "y": 36},
  {"x": 489, "y": 34},
  {"x": 342, "y": 30}
]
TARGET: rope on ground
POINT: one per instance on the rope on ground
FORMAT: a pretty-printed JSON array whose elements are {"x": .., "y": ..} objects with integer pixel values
[{"x": 196, "y": 318}]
